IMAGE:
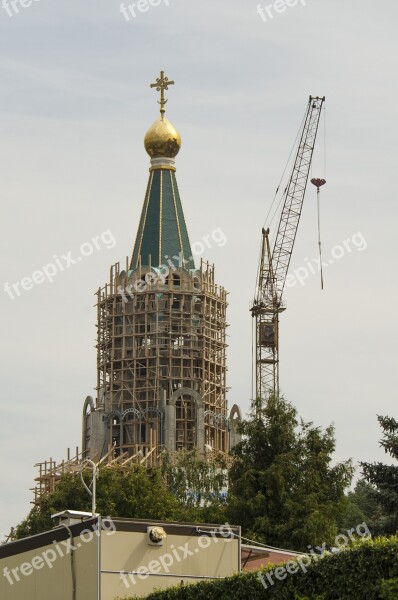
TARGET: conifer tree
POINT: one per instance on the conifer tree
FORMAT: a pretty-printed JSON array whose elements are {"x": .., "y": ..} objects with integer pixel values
[
  {"x": 283, "y": 488},
  {"x": 384, "y": 478}
]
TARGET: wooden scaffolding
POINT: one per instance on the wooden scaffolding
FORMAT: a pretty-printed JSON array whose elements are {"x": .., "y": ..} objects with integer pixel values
[{"x": 158, "y": 335}]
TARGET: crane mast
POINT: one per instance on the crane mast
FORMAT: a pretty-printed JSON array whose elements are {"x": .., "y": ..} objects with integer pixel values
[{"x": 274, "y": 266}]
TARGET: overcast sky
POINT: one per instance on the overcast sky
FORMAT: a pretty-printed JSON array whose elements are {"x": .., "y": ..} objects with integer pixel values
[{"x": 75, "y": 105}]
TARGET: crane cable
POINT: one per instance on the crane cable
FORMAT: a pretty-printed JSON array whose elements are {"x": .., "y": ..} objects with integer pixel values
[
  {"x": 318, "y": 196},
  {"x": 324, "y": 141},
  {"x": 281, "y": 179},
  {"x": 319, "y": 236},
  {"x": 318, "y": 183},
  {"x": 280, "y": 200},
  {"x": 252, "y": 399}
]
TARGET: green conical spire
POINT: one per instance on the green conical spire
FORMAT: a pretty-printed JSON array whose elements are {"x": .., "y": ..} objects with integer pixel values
[{"x": 162, "y": 232}]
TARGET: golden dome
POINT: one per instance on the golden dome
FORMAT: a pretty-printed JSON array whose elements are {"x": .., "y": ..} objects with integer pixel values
[{"x": 162, "y": 139}]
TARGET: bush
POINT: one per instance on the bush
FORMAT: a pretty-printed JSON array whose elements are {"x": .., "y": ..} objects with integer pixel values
[
  {"x": 389, "y": 589},
  {"x": 369, "y": 569}
]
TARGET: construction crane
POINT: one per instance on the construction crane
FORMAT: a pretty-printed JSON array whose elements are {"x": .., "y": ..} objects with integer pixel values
[{"x": 273, "y": 267}]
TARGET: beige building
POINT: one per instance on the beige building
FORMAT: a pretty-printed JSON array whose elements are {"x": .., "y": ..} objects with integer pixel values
[{"x": 103, "y": 559}]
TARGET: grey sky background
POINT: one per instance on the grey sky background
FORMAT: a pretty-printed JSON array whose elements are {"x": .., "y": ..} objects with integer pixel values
[{"x": 75, "y": 104}]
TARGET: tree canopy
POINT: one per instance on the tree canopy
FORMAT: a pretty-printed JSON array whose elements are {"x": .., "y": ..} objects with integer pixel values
[
  {"x": 383, "y": 479},
  {"x": 283, "y": 488},
  {"x": 131, "y": 493},
  {"x": 136, "y": 492}
]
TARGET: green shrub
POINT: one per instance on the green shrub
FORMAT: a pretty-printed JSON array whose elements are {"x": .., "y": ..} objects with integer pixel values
[
  {"x": 389, "y": 589},
  {"x": 369, "y": 569}
]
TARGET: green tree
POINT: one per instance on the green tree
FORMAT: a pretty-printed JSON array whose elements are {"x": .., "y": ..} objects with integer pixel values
[
  {"x": 363, "y": 506},
  {"x": 197, "y": 482},
  {"x": 184, "y": 488},
  {"x": 134, "y": 493},
  {"x": 383, "y": 479},
  {"x": 283, "y": 488}
]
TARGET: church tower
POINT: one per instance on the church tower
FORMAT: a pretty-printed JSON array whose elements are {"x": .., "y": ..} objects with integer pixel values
[{"x": 161, "y": 341}]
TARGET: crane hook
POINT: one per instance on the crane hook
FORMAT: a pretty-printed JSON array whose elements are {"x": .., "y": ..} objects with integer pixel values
[{"x": 318, "y": 182}]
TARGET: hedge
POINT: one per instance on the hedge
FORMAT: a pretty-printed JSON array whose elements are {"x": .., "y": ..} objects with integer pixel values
[{"x": 368, "y": 570}]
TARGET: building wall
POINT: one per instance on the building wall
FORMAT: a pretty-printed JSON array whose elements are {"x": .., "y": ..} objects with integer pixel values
[
  {"x": 130, "y": 566},
  {"x": 43, "y": 567},
  {"x": 113, "y": 559}
]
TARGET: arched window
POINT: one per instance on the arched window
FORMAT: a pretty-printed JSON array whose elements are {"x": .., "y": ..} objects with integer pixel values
[
  {"x": 185, "y": 423},
  {"x": 133, "y": 429},
  {"x": 210, "y": 430}
]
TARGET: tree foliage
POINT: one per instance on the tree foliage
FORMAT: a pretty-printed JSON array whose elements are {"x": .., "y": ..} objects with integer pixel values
[
  {"x": 364, "y": 506},
  {"x": 383, "y": 479},
  {"x": 138, "y": 493},
  {"x": 133, "y": 493},
  {"x": 197, "y": 483},
  {"x": 283, "y": 488}
]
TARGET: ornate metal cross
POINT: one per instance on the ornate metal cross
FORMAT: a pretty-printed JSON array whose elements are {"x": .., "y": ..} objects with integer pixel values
[{"x": 162, "y": 84}]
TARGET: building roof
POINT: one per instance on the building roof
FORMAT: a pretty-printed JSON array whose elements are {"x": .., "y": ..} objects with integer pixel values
[{"x": 255, "y": 557}]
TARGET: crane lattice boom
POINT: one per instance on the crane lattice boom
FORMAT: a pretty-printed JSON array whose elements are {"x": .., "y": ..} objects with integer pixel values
[{"x": 274, "y": 267}]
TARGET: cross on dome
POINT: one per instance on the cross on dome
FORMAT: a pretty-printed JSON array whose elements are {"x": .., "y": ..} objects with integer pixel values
[{"x": 161, "y": 85}]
